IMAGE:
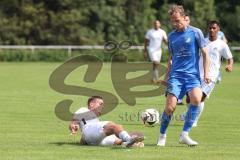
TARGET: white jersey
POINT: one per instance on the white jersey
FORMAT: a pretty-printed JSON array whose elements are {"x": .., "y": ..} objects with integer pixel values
[
  {"x": 155, "y": 38},
  {"x": 85, "y": 116},
  {"x": 216, "y": 50},
  {"x": 92, "y": 128}
]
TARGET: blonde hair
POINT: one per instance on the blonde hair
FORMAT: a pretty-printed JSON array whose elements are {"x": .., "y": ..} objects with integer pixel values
[{"x": 176, "y": 9}]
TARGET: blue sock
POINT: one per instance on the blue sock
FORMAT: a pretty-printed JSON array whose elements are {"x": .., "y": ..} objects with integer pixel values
[
  {"x": 165, "y": 122},
  {"x": 191, "y": 116}
]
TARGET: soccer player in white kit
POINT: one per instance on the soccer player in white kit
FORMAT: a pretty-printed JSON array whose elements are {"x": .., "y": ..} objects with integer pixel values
[
  {"x": 217, "y": 48},
  {"x": 153, "y": 46},
  {"x": 96, "y": 132}
]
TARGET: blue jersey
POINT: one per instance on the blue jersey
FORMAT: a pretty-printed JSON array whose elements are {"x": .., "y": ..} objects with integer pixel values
[{"x": 184, "y": 48}]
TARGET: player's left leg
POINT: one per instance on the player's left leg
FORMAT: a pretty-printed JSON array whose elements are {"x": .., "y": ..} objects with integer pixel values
[
  {"x": 155, "y": 58},
  {"x": 195, "y": 96},
  {"x": 207, "y": 89}
]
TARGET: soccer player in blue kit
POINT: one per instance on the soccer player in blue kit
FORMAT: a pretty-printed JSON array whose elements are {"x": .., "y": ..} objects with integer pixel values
[{"x": 183, "y": 73}]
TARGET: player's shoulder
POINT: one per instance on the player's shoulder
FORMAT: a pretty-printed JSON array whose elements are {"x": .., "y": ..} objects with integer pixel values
[
  {"x": 161, "y": 30},
  {"x": 207, "y": 39},
  {"x": 172, "y": 33},
  {"x": 221, "y": 42},
  {"x": 194, "y": 29},
  {"x": 150, "y": 30},
  {"x": 220, "y": 33},
  {"x": 82, "y": 110}
]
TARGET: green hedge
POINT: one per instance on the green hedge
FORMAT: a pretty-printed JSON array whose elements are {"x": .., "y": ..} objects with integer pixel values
[
  {"x": 28, "y": 55},
  {"x": 236, "y": 56},
  {"x": 62, "y": 55}
]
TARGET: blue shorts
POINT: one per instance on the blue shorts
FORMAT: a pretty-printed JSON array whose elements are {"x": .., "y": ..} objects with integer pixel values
[
  {"x": 182, "y": 94},
  {"x": 180, "y": 86}
]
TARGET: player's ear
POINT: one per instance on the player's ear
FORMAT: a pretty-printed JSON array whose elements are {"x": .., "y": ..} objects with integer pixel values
[{"x": 91, "y": 104}]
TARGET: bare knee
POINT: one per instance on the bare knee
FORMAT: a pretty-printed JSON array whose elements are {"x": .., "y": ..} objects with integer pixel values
[
  {"x": 112, "y": 128},
  {"x": 195, "y": 96},
  {"x": 195, "y": 100}
]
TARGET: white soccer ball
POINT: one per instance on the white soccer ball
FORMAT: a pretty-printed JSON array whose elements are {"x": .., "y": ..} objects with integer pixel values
[{"x": 150, "y": 116}]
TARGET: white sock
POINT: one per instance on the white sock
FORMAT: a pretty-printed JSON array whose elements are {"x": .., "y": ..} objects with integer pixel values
[
  {"x": 163, "y": 135},
  {"x": 155, "y": 74},
  {"x": 201, "y": 107},
  {"x": 184, "y": 133},
  {"x": 124, "y": 136}
]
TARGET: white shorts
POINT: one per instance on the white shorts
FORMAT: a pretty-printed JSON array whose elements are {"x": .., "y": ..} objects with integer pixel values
[
  {"x": 155, "y": 56},
  {"x": 207, "y": 88},
  {"x": 93, "y": 132}
]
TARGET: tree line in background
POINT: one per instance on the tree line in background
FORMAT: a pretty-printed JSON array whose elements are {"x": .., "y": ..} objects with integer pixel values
[{"x": 90, "y": 22}]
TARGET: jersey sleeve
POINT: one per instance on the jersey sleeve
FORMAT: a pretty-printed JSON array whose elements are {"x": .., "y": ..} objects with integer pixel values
[
  {"x": 200, "y": 38},
  {"x": 147, "y": 35},
  {"x": 169, "y": 44},
  {"x": 225, "y": 52}
]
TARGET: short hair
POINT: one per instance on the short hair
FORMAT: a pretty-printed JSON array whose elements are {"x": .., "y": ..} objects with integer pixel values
[
  {"x": 213, "y": 22},
  {"x": 176, "y": 8},
  {"x": 93, "y": 98},
  {"x": 186, "y": 14}
]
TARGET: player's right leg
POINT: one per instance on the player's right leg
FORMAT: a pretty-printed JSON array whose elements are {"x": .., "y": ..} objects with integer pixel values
[
  {"x": 173, "y": 91},
  {"x": 166, "y": 118}
]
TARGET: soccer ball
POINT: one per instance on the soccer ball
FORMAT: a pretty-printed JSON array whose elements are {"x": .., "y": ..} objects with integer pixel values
[{"x": 150, "y": 116}]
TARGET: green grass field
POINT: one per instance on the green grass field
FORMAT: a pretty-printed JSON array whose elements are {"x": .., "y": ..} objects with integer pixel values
[{"x": 30, "y": 130}]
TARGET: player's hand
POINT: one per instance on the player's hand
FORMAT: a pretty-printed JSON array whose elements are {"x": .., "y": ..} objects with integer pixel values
[
  {"x": 229, "y": 68},
  {"x": 73, "y": 127},
  {"x": 207, "y": 79},
  {"x": 162, "y": 82}
]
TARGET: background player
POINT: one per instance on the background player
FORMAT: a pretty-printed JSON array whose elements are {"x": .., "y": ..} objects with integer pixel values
[
  {"x": 217, "y": 48},
  {"x": 152, "y": 47}
]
